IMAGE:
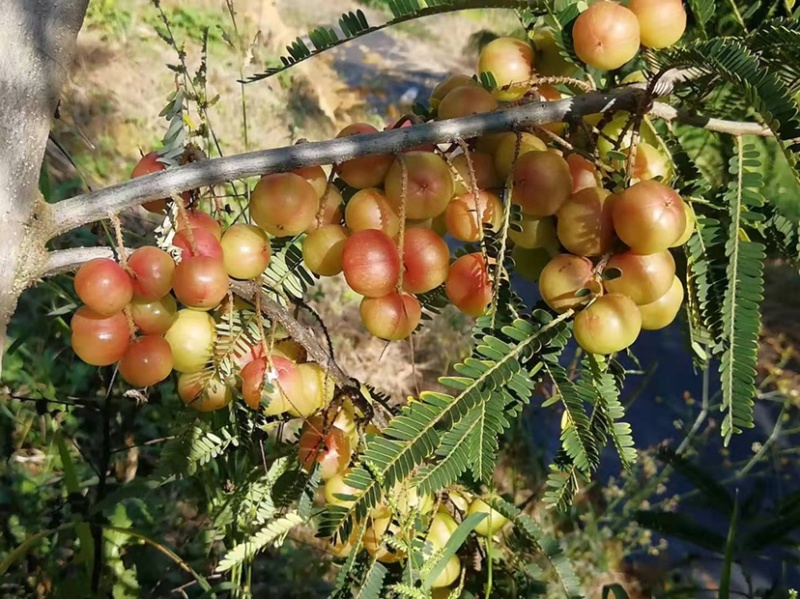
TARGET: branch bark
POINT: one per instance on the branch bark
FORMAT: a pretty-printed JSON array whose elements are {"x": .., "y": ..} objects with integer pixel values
[{"x": 37, "y": 41}]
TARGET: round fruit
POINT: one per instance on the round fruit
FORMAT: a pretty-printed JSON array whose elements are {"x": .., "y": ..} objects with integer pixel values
[
  {"x": 371, "y": 263},
  {"x": 282, "y": 376},
  {"x": 155, "y": 317},
  {"x": 606, "y": 35},
  {"x": 291, "y": 349},
  {"x": 446, "y": 86},
  {"x": 609, "y": 325},
  {"x": 563, "y": 277},
  {"x": 392, "y": 317},
  {"x": 486, "y": 176},
  {"x": 661, "y": 22},
  {"x": 283, "y": 204},
  {"x": 429, "y": 185},
  {"x": 147, "y": 361},
  {"x": 510, "y": 61},
  {"x": 650, "y": 163},
  {"x": 98, "y": 339},
  {"x": 461, "y": 215},
  {"x": 245, "y": 251},
  {"x": 200, "y": 282},
  {"x": 449, "y": 575},
  {"x": 548, "y": 59},
  {"x": 468, "y": 285},
  {"x": 406, "y": 497},
  {"x": 315, "y": 176},
  {"x": 314, "y": 392},
  {"x": 331, "y": 448},
  {"x": 661, "y": 312},
  {"x": 104, "y": 286},
  {"x": 148, "y": 165},
  {"x": 332, "y": 213},
  {"x": 583, "y": 171},
  {"x": 368, "y": 171},
  {"x": 336, "y": 486},
  {"x": 323, "y": 250},
  {"x": 203, "y": 393},
  {"x": 535, "y": 233},
  {"x": 644, "y": 278},
  {"x": 507, "y": 148},
  {"x": 465, "y": 101},
  {"x": 442, "y": 528},
  {"x": 530, "y": 263},
  {"x": 381, "y": 527},
  {"x": 191, "y": 338},
  {"x": 690, "y": 226},
  {"x": 197, "y": 219},
  {"x": 542, "y": 183},
  {"x": 426, "y": 260},
  {"x": 196, "y": 242},
  {"x": 493, "y": 522},
  {"x": 152, "y": 269},
  {"x": 649, "y": 217},
  {"x": 584, "y": 222},
  {"x": 369, "y": 209}
]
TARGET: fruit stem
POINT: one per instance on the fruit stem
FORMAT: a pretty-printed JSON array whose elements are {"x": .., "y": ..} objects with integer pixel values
[
  {"x": 123, "y": 255},
  {"x": 401, "y": 236},
  {"x": 183, "y": 220}
]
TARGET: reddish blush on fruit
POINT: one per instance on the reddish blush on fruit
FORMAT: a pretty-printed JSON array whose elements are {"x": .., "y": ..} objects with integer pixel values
[
  {"x": 153, "y": 270},
  {"x": 510, "y": 61},
  {"x": 428, "y": 186},
  {"x": 465, "y": 101},
  {"x": 469, "y": 287},
  {"x": 282, "y": 376},
  {"x": 329, "y": 448},
  {"x": 371, "y": 263},
  {"x": 367, "y": 171},
  {"x": 462, "y": 215},
  {"x": 483, "y": 169},
  {"x": 283, "y": 204},
  {"x": 649, "y": 217},
  {"x": 542, "y": 183},
  {"x": 97, "y": 339},
  {"x": 203, "y": 393},
  {"x": 445, "y": 87},
  {"x": 507, "y": 149},
  {"x": 585, "y": 227},
  {"x": 104, "y": 286},
  {"x": 369, "y": 209},
  {"x": 148, "y": 165},
  {"x": 200, "y": 283},
  {"x": 606, "y": 35},
  {"x": 644, "y": 278},
  {"x": 426, "y": 260},
  {"x": 392, "y": 317},
  {"x": 197, "y": 219},
  {"x": 196, "y": 242},
  {"x": 583, "y": 171},
  {"x": 147, "y": 361}
]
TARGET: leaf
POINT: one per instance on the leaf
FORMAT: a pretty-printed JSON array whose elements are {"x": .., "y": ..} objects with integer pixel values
[
  {"x": 267, "y": 535},
  {"x": 372, "y": 585},
  {"x": 617, "y": 589},
  {"x": 730, "y": 548},
  {"x": 450, "y": 548}
]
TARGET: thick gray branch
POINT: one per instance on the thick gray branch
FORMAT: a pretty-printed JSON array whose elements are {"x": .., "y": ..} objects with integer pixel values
[
  {"x": 90, "y": 207},
  {"x": 670, "y": 113}
]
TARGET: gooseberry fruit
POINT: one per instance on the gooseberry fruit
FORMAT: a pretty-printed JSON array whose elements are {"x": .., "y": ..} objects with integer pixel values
[
  {"x": 484, "y": 170},
  {"x": 283, "y": 204},
  {"x": 691, "y": 219},
  {"x": 529, "y": 263},
  {"x": 203, "y": 393},
  {"x": 323, "y": 250},
  {"x": 510, "y": 61},
  {"x": 661, "y": 22},
  {"x": 445, "y": 87},
  {"x": 369, "y": 209},
  {"x": 337, "y": 486},
  {"x": 493, "y": 522},
  {"x": 104, "y": 286},
  {"x": 563, "y": 277},
  {"x": 507, "y": 148},
  {"x": 195, "y": 242},
  {"x": 245, "y": 251},
  {"x": 542, "y": 183},
  {"x": 609, "y": 325},
  {"x": 535, "y": 233},
  {"x": 660, "y": 313},
  {"x": 197, "y": 219},
  {"x": 200, "y": 282},
  {"x": 469, "y": 287},
  {"x": 465, "y": 101},
  {"x": 462, "y": 215},
  {"x": 147, "y": 361},
  {"x": 315, "y": 176},
  {"x": 191, "y": 337},
  {"x": 428, "y": 185},
  {"x": 99, "y": 339},
  {"x": 367, "y": 171},
  {"x": 426, "y": 260},
  {"x": 392, "y": 317},
  {"x": 644, "y": 278},
  {"x": 606, "y": 35},
  {"x": 584, "y": 222},
  {"x": 282, "y": 376},
  {"x": 583, "y": 171},
  {"x": 153, "y": 270},
  {"x": 332, "y": 213},
  {"x": 649, "y": 217},
  {"x": 331, "y": 448},
  {"x": 154, "y": 317},
  {"x": 148, "y": 165},
  {"x": 371, "y": 263}
]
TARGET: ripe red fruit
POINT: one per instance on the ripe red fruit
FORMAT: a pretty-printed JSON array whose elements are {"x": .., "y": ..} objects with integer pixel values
[
  {"x": 563, "y": 277},
  {"x": 104, "y": 286},
  {"x": 461, "y": 215},
  {"x": 371, "y": 263},
  {"x": 97, "y": 339},
  {"x": 649, "y": 217},
  {"x": 153, "y": 270},
  {"x": 283, "y": 204},
  {"x": 369, "y": 209},
  {"x": 154, "y": 317},
  {"x": 429, "y": 185},
  {"x": 465, "y": 101},
  {"x": 368, "y": 171},
  {"x": 644, "y": 278},
  {"x": 392, "y": 317},
  {"x": 330, "y": 449},
  {"x": 609, "y": 325},
  {"x": 197, "y": 219},
  {"x": 200, "y": 283},
  {"x": 468, "y": 285},
  {"x": 606, "y": 35},
  {"x": 426, "y": 259},
  {"x": 542, "y": 183},
  {"x": 245, "y": 251},
  {"x": 197, "y": 242},
  {"x": 147, "y": 361},
  {"x": 323, "y": 250},
  {"x": 148, "y": 165},
  {"x": 282, "y": 375},
  {"x": 661, "y": 22},
  {"x": 584, "y": 222},
  {"x": 510, "y": 61}
]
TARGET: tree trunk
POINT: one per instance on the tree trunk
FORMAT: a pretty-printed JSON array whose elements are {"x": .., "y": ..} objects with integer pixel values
[{"x": 37, "y": 41}]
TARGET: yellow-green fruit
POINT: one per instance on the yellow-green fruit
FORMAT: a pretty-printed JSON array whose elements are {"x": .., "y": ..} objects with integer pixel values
[
  {"x": 315, "y": 391},
  {"x": 322, "y": 250},
  {"x": 443, "y": 525},
  {"x": 662, "y": 312},
  {"x": 529, "y": 264},
  {"x": 536, "y": 233},
  {"x": 492, "y": 523},
  {"x": 449, "y": 575},
  {"x": 661, "y": 22},
  {"x": 191, "y": 338},
  {"x": 549, "y": 61},
  {"x": 691, "y": 219},
  {"x": 336, "y": 486},
  {"x": 510, "y": 61},
  {"x": 609, "y": 325},
  {"x": 507, "y": 147}
]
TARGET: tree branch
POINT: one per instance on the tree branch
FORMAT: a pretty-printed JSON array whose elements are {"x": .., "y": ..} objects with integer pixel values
[{"x": 670, "y": 113}]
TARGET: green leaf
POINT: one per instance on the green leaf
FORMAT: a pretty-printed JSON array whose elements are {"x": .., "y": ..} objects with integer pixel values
[
  {"x": 450, "y": 548},
  {"x": 86, "y": 552},
  {"x": 271, "y": 533},
  {"x": 730, "y": 549},
  {"x": 372, "y": 585}
]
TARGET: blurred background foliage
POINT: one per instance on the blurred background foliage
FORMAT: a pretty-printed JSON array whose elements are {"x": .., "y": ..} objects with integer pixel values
[{"x": 660, "y": 530}]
